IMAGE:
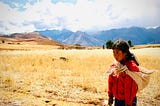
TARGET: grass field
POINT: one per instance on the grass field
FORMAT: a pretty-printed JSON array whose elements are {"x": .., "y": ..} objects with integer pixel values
[{"x": 48, "y": 77}]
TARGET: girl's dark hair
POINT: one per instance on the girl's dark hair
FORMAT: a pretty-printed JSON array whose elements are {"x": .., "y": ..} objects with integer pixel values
[{"x": 124, "y": 47}]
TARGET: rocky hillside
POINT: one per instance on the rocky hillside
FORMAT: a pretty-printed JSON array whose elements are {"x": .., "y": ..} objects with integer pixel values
[{"x": 28, "y": 38}]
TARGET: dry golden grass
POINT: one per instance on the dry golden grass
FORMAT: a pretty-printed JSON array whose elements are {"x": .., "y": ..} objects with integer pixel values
[
  {"x": 146, "y": 46},
  {"x": 67, "y": 77},
  {"x": 27, "y": 47}
]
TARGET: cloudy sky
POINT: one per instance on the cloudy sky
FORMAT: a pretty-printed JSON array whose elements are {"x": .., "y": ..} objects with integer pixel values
[{"x": 84, "y": 15}]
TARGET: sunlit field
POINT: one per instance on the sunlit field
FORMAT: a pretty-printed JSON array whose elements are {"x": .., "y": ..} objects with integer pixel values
[{"x": 67, "y": 77}]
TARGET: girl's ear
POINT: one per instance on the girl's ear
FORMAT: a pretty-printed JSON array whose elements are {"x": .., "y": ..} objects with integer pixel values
[{"x": 125, "y": 54}]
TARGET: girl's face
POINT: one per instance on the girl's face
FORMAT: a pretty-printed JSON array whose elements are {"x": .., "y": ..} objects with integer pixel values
[{"x": 119, "y": 55}]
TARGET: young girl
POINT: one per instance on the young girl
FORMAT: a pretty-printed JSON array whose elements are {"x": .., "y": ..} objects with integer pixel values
[{"x": 120, "y": 85}]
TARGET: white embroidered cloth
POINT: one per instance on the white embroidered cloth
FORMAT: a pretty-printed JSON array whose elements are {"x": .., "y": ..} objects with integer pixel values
[{"x": 141, "y": 78}]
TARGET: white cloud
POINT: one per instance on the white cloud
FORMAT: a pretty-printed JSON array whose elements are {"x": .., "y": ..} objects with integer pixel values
[{"x": 83, "y": 15}]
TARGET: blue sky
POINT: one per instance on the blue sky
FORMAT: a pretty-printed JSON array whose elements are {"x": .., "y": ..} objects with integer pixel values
[{"x": 84, "y": 15}]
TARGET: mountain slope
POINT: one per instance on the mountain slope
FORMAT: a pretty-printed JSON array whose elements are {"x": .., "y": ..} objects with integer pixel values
[
  {"x": 29, "y": 38},
  {"x": 136, "y": 34},
  {"x": 58, "y": 35},
  {"x": 83, "y": 39},
  {"x": 69, "y": 37}
]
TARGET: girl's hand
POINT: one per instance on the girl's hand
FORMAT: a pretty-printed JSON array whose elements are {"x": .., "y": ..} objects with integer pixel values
[{"x": 110, "y": 101}]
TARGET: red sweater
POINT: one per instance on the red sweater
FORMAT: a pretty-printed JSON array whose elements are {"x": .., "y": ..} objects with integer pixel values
[{"x": 123, "y": 87}]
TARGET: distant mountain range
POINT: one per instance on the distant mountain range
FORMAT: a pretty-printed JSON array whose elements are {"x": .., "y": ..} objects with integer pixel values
[
  {"x": 68, "y": 37},
  {"x": 137, "y": 35}
]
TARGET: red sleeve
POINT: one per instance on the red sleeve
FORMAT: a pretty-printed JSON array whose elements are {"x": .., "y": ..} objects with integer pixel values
[
  {"x": 110, "y": 85},
  {"x": 130, "y": 85},
  {"x": 132, "y": 66},
  {"x": 110, "y": 82},
  {"x": 130, "y": 90}
]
